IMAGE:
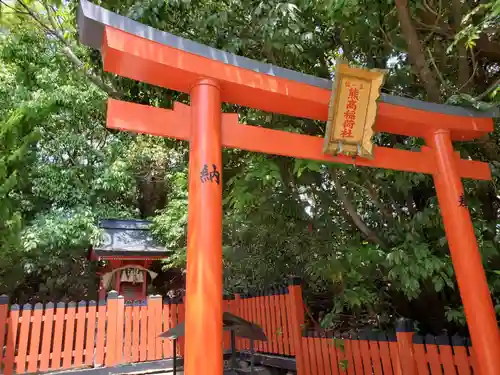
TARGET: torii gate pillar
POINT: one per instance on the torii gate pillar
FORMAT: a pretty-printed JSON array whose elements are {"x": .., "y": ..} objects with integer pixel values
[
  {"x": 204, "y": 252},
  {"x": 465, "y": 254}
]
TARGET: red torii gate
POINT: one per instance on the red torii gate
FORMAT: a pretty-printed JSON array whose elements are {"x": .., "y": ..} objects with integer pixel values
[{"x": 211, "y": 77}]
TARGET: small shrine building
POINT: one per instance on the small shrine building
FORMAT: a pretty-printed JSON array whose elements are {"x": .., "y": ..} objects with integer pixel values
[{"x": 125, "y": 254}]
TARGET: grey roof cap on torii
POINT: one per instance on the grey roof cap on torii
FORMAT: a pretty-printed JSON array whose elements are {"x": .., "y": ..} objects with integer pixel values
[{"x": 92, "y": 19}]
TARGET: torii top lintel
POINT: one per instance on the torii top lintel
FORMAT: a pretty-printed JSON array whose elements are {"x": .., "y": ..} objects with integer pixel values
[{"x": 140, "y": 52}]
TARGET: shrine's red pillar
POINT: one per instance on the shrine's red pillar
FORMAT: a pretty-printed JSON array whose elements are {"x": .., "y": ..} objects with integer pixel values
[
  {"x": 465, "y": 255},
  {"x": 203, "y": 351},
  {"x": 118, "y": 275},
  {"x": 102, "y": 289},
  {"x": 144, "y": 292}
]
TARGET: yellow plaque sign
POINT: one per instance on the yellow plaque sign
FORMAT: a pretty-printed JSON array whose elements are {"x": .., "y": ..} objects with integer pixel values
[{"x": 352, "y": 111}]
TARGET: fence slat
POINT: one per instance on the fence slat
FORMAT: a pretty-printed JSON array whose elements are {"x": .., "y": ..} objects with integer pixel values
[
  {"x": 325, "y": 354},
  {"x": 375, "y": 355},
  {"x": 158, "y": 316},
  {"x": 90, "y": 333},
  {"x": 252, "y": 313},
  {"x": 254, "y": 308},
  {"x": 461, "y": 357},
  {"x": 396, "y": 361},
  {"x": 245, "y": 309},
  {"x": 349, "y": 356},
  {"x": 10, "y": 351},
  {"x": 58, "y": 336},
  {"x": 34, "y": 347},
  {"x": 237, "y": 309},
  {"x": 22, "y": 343},
  {"x": 264, "y": 321},
  {"x": 446, "y": 355},
  {"x": 136, "y": 344},
  {"x": 385, "y": 355},
  {"x": 273, "y": 343},
  {"x": 294, "y": 322},
  {"x": 127, "y": 346},
  {"x": 279, "y": 323},
  {"x": 356, "y": 353},
  {"x": 226, "y": 336},
  {"x": 420, "y": 355},
  {"x": 111, "y": 322},
  {"x": 250, "y": 303},
  {"x": 4, "y": 321},
  {"x": 255, "y": 305},
  {"x": 319, "y": 355},
  {"x": 285, "y": 325},
  {"x": 306, "y": 356},
  {"x": 473, "y": 360},
  {"x": 269, "y": 322},
  {"x": 101, "y": 333},
  {"x": 69, "y": 335},
  {"x": 404, "y": 335},
  {"x": 151, "y": 331},
  {"x": 278, "y": 331},
  {"x": 334, "y": 358},
  {"x": 120, "y": 316},
  {"x": 433, "y": 355},
  {"x": 258, "y": 317},
  {"x": 365, "y": 354},
  {"x": 297, "y": 319},
  {"x": 167, "y": 344},
  {"x": 174, "y": 319},
  {"x": 80, "y": 332},
  {"x": 48, "y": 326},
  {"x": 181, "y": 316}
]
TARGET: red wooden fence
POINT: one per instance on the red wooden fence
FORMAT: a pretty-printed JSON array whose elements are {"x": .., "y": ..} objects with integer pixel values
[
  {"x": 47, "y": 337},
  {"x": 382, "y": 354}
]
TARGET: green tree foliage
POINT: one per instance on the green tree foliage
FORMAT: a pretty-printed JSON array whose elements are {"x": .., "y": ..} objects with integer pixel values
[{"x": 369, "y": 244}]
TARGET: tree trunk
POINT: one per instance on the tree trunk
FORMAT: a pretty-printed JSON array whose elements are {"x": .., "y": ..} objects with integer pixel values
[
  {"x": 416, "y": 52},
  {"x": 369, "y": 234},
  {"x": 463, "y": 62}
]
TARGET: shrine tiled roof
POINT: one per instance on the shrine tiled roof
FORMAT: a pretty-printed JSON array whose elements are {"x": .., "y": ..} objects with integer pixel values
[{"x": 127, "y": 238}]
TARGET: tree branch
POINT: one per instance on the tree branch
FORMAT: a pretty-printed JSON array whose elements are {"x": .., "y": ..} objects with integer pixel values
[
  {"x": 433, "y": 62},
  {"x": 490, "y": 89},
  {"x": 415, "y": 51},
  {"x": 92, "y": 77},
  {"x": 396, "y": 207},
  {"x": 435, "y": 26},
  {"x": 67, "y": 49},
  {"x": 473, "y": 74},
  {"x": 372, "y": 192},
  {"x": 429, "y": 9},
  {"x": 463, "y": 61},
  {"x": 16, "y": 11},
  {"x": 349, "y": 207}
]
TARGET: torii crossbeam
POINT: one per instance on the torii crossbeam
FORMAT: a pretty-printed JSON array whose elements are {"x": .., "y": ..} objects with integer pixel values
[{"x": 211, "y": 76}]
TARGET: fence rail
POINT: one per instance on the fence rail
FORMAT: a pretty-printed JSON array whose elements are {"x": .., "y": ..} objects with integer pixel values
[{"x": 38, "y": 338}]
